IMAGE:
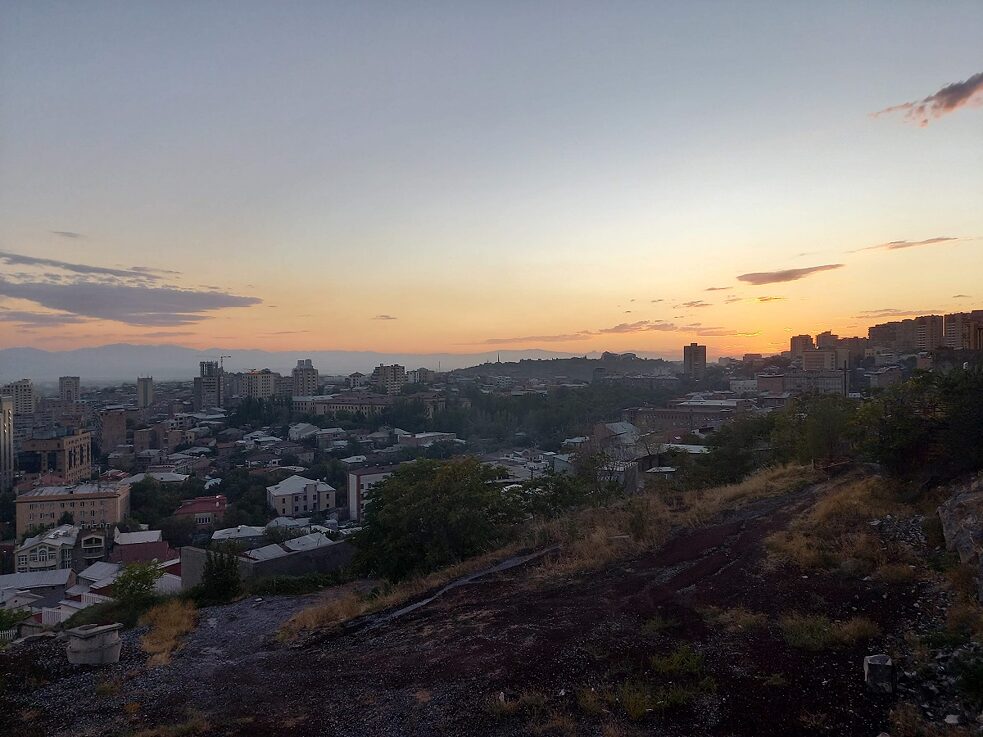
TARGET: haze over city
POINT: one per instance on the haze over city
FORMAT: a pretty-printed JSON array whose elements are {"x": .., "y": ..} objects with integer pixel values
[{"x": 447, "y": 178}]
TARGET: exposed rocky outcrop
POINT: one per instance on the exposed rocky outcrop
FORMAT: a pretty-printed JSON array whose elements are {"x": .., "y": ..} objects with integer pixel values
[{"x": 961, "y": 516}]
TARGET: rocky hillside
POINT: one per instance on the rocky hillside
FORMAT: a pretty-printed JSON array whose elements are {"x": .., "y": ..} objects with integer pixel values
[{"x": 755, "y": 621}]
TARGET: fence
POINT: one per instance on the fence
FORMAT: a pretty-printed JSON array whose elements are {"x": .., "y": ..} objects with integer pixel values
[{"x": 8, "y": 635}]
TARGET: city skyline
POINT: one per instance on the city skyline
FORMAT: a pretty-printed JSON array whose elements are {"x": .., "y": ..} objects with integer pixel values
[{"x": 463, "y": 180}]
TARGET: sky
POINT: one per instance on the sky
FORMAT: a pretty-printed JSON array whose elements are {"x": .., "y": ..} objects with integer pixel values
[{"x": 461, "y": 176}]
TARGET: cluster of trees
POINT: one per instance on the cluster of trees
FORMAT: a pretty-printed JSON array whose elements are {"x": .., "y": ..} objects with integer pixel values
[
  {"x": 430, "y": 514},
  {"x": 929, "y": 428}
]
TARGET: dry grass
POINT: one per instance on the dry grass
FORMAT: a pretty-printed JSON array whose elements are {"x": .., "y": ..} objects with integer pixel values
[
  {"x": 590, "y": 701},
  {"x": 195, "y": 725},
  {"x": 555, "y": 724},
  {"x": 836, "y": 533},
  {"x": 816, "y": 632},
  {"x": 898, "y": 573},
  {"x": 589, "y": 539},
  {"x": 907, "y": 721},
  {"x": 735, "y": 620},
  {"x": 169, "y": 623}
]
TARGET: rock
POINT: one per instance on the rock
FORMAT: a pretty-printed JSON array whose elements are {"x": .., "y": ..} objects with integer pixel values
[
  {"x": 879, "y": 673},
  {"x": 952, "y": 719}
]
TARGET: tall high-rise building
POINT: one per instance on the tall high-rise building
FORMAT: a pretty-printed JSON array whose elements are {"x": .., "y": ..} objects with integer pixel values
[
  {"x": 964, "y": 330},
  {"x": 69, "y": 388},
  {"x": 22, "y": 392},
  {"x": 145, "y": 391},
  {"x": 827, "y": 340},
  {"x": 695, "y": 360},
  {"x": 6, "y": 443},
  {"x": 923, "y": 333},
  {"x": 260, "y": 384},
  {"x": 305, "y": 379},
  {"x": 799, "y": 344},
  {"x": 208, "y": 388},
  {"x": 112, "y": 429},
  {"x": 391, "y": 378},
  {"x": 68, "y": 456}
]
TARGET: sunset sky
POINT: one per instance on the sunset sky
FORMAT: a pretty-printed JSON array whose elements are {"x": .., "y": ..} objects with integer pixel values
[{"x": 463, "y": 177}]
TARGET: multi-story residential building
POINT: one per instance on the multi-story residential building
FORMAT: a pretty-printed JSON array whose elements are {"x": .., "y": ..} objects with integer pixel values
[
  {"x": 355, "y": 381},
  {"x": 794, "y": 381},
  {"x": 686, "y": 415},
  {"x": 65, "y": 455},
  {"x": 284, "y": 386},
  {"x": 360, "y": 483},
  {"x": 963, "y": 330},
  {"x": 6, "y": 443},
  {"x": 112, "y": 429},
  {"x": 799, "y": 344},
  {"x": 297, "y": 495},
  {"x": 145, "y": 391},
  {"x": 827, "y": 340},
  {"x": 420, "y": 376},
  {"x": 923, "y": 333},
  {"x": 825, "y": 359},
  {"x": 390, "y": 378},
  {"x": 66, "y": 546},
  {"x": 208, "y": 386},
  {"x": 23, "y": 394},
  {"x": 260, "y": 384},
  {"x": 695, "y": 360},
  {"x": 69, "y": 388},
  {"x": 91, "y": 506},
  {"x": 305, "y": 379}
]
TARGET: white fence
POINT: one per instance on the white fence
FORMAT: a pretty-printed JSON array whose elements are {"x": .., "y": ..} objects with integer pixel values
[
  {"x": 8, "y": 635},
  {"x": 51, "y": 617}
]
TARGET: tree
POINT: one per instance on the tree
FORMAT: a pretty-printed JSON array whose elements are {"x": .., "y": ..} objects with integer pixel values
[
  {"x": 134, "y": 586},
  {"x": 178, "y": 531},
  {"x": 220, "y": 580},
  {"x": 67, "y": 518},
  {"x": 430, "y": 514},
  {"x": 815, "y": 428}
]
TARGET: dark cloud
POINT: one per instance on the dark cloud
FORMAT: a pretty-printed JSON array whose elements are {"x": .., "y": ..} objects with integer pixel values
[
  {"x": 67, "y": 234},
  {"x": 653, "y": 301},
  {"x": 384, "y": 317},
  {"x": 133, "y": 304},
  {"x": 947, "y": 100},
  {"x": 136, "y": 272},
  {"x": 718, "y": 289},
  {"x": 773, "y": 277},
  {"x": 895, "y": 245},
  {"x": 39, "y": 319},
  {"x": 770, "y": 299},
  {"x": 961, "y": 296}
]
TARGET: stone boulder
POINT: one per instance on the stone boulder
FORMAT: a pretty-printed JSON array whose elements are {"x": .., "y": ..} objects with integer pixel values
[
  {"x": 879, "y": 673},
  {"x": 961, "y": 516}
]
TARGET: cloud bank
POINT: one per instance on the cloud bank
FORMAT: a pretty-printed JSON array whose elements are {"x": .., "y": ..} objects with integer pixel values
[{"x": 774, "y": 277}]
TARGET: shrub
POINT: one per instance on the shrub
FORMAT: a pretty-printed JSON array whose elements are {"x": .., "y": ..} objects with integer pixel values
[
  {"x": 683, "y": 660},
  {"x": 134, "y": 586},
  {"x": 817, "y": 632},
  {"x": 737, "y": 619}
]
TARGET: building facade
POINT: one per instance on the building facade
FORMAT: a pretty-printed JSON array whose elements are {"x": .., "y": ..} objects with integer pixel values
[
  {"x": 305, "y": 379},
  {"x": 208, "y": 386},
  {"x": 68, "y": 456},
  {"x": 145, "y": 391},
  {"x": 260, "y": 384},
  {"x": 69, "y": 388},
  {"x": 296, "y": 495},
  {"x": 390, "y": 378},
  {"x": 360, "y": 483},
  {"x": 6, "y": 443},
  {"x": 91, "y": 506},
  {"x": 695, "y": 360},
  {"x": 23, "y": 394}
]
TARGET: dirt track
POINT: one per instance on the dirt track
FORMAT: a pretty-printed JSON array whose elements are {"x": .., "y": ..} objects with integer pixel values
[{"x": 432, "y": 671}]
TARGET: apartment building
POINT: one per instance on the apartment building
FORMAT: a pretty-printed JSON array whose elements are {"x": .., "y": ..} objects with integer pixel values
[
  {"x": 145, "y": 391},
  {"x": 260, "y": 384},
  {"x": 923, "y": 333},
  {"x": 695, "y": 360},
  {"x": 794, "y": 381},
  {"x": 827, "y": 359},
  {"x": 65, "y": 455},
  {"x": 69, "y": 388},
  {"x": 23, "y": 394},
  {"x": 391, "y": 378},
  {"x": 305, "y": 379},
  {"x": 112, "y": 429},
  {"x": 91, "y": 505},
  {"x": 6, "y": 443},
  {"x": 963, "y": 330},
  {"x": 209, "y": 387},
  {"x": 799, "y": 344},
  {"x": 360, "y": 483},
  {"x": 296, "y": 496}
]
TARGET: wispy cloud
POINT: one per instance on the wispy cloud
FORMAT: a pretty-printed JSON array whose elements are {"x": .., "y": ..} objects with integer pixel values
[
  {"x": 896, "y": 245},
  {"x": 166, "y": 334},
  {"x": 22, "y": 260},
  {"x": 694, "y": 303},
  {"x": 384, "y": 317},
  {"x": 950, "y": 98},
  {"x": 961, "y": 296},
  {"x": 656, "y": 300},
  {"x": 774, "y": 277},
  {"x": 130, "y": 303},
  {"x": 732, "y": 300},
  {"x": 39, "y": 319},
  {"x": 718, "y": 289},
  {"x": 770, "y": 299},
  {"x": 537, "y": 339},
  {"x": 67, "y": 234},
  {"x": 642, "y": 326},
  {"x": 893, "y": 312}
]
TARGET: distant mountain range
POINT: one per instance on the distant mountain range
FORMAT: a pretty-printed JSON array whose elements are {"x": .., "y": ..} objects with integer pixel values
[{"x": 124, "y": 362}]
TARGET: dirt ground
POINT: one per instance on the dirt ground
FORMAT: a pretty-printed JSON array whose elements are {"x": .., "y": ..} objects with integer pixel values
[{"x": 513, "y": 653}]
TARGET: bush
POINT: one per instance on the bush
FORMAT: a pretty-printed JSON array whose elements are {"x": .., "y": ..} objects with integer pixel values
[
  {"x": 134, "y": 586},
  {"x": 220, "y": 580},
  {"x": 816, "y": 632}
]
